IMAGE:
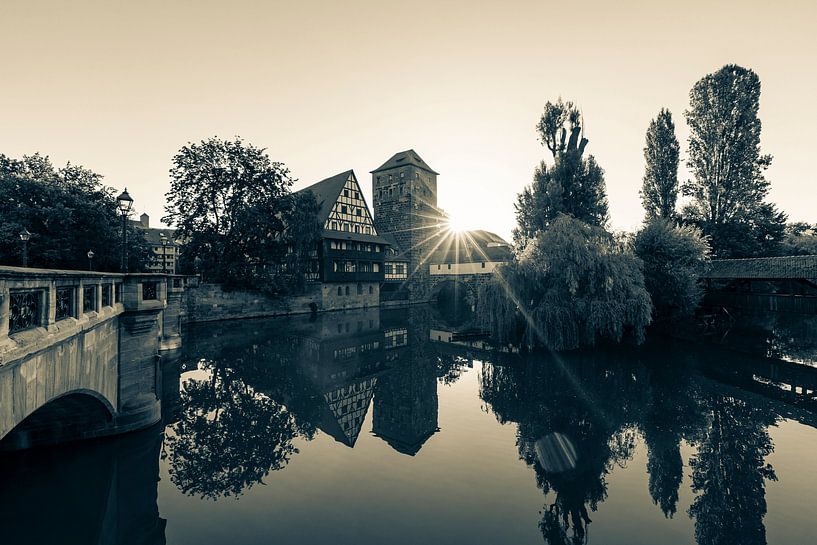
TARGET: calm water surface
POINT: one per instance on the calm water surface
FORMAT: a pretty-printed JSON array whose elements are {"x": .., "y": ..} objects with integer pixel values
[{"x": 374, "y": 427}]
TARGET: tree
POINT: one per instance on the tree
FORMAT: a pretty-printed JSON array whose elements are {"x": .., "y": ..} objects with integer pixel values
[
  {"x": 800, "y": 239},
  {"x": 659, "y": 192},
  {"x": 231, "y": 203},
  {"x": 68, "y": 211},
  {"x": 573, "y": 185},
  {"x": 571, "y": 286},
  {"x": 673, "y": 257},
  {"x": 728, "y": 188}
]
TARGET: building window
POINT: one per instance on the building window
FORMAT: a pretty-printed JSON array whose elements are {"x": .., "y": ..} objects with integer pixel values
[
  {"x": 371, "y": 291},
  {"x": 439, "y": 267},
  {"x": 360, "y": 289},
  {"x": 340, "y": 290},
  {"x": 357, "y": 212},
  {"x": 335, "y": 266},
  {"x": 376, "y": 267},
  {"x": 345, "y": 192},
  {"x": 347, "y": 291},
  {"x": 117, "y": 294},
  {"x": 343, "y": 209},
  {"x": 483, "y": 264},
  {"x": 449, "y": 266}
]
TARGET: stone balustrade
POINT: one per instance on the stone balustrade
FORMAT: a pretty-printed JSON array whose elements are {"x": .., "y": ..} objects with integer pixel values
[{"x": 94, "y": 335}]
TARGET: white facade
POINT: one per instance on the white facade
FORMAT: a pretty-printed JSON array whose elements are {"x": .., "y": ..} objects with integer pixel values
[{"x": 453, "y": 269}]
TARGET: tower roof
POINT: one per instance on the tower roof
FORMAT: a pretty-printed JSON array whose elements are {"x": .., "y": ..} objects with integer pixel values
[{"x": 403, "y": 158}]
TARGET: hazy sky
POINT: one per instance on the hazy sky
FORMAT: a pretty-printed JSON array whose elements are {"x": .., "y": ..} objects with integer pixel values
[{"x": 328, "y": 86}]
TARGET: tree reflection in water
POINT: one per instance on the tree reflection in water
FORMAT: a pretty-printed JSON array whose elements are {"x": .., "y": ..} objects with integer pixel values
[
  {"x": 592, "y": 408},
  {"x": 578, "y": 416},
  {"x": 228, "y": 436},
  {"x": 729, "y": 473}
]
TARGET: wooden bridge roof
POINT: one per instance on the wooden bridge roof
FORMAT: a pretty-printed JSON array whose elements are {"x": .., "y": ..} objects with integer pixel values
[{"x": 768, "y": 268}]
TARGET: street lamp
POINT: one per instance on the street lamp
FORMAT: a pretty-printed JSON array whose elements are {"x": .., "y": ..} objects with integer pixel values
[
  {"x": 125, "y": 203},
  {"x": 90, "y": 255},
  {"x": 24, "y": 236}
]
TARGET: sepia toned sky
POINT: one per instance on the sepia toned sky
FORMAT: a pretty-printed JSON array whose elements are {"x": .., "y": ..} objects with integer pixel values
[{"x": 326, "y": 86}]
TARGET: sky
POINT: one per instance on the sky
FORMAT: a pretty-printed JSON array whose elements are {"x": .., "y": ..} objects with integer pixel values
[{"x": 327, "y": 86}]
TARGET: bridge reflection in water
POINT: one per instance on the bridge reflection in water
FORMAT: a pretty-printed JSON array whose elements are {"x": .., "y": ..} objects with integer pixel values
[{"x": 246, "y": 398}]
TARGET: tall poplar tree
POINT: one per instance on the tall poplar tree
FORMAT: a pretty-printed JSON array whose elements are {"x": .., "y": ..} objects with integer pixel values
[
  {"x": 728, "y": 188},
  {"x": 659, "y": 192}
]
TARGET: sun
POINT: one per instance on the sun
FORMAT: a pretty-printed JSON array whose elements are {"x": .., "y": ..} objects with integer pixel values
[{"x": 456, "y": 224}]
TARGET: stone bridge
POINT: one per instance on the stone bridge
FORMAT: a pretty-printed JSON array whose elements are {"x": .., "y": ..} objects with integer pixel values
[{"x": 80, "y": 352}]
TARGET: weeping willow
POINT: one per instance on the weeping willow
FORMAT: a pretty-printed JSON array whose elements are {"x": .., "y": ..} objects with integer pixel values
[{"x": 571, "y": 286}]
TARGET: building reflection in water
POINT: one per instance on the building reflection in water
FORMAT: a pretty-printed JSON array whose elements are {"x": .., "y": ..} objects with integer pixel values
[{"x": 243, "y": 396}]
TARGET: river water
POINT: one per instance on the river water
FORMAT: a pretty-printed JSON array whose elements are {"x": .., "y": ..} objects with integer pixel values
[{"x": 381, "y": 427}]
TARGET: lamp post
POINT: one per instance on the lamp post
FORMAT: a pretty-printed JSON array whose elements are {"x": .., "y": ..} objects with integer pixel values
[
  {"x": 24, "y": 236},
  {"x": 164, "y": 252},
  {"x": 90, "y": 255},
  {"x": 125, "y": 203}
]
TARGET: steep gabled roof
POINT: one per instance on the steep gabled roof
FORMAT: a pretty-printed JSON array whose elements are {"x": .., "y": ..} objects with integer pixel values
[
  {"x": 327, "y": 192},
  {"x": 403, "y": 158}
]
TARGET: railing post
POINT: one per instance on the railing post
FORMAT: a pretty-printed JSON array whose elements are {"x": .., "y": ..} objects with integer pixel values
[{"x": 4, "y": 310}]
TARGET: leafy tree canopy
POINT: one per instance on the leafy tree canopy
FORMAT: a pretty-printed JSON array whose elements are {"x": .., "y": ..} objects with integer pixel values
[
  {"x": 728, "y": 188},
  {"x": 673, "y": 257},
  {"x": 233, "y": 204},
  {"x": 68, "y": 211},
  {"x": 571, "y": 286},
  {"x": 659, "y": 191},
  {"x": 572, "y": 185}
]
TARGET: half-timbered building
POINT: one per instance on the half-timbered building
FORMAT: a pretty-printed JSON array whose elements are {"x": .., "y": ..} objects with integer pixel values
[{"x": 351, "y": 253}]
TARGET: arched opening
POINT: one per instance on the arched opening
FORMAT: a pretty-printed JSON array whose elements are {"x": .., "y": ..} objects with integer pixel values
[
  {"x": 74, "y": 416},
  {"x": 454, "y": 303}
]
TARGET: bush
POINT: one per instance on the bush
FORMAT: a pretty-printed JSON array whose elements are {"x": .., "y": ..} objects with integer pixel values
[
  {"x": 673, "y": 257},
  {"x": 572, "y": 286}
]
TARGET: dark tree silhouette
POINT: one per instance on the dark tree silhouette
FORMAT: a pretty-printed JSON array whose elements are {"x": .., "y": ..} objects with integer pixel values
[
  {"x": 228, "y": 436},
  {"x": 573, "y": 185},
  {"x": 659, "y": 192},
  {"x": 729, "y": 473}
]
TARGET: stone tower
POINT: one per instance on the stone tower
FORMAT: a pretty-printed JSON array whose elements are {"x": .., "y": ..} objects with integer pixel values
[{"x": 404, "y": 189}]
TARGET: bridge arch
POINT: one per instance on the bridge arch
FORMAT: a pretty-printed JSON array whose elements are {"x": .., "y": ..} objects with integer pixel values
[
  {"x": 70, "y": 415},
  {"x": 454, "y": 302}
]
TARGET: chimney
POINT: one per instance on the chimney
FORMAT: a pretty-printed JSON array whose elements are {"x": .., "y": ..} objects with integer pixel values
[{"x": 144, "y": 219}]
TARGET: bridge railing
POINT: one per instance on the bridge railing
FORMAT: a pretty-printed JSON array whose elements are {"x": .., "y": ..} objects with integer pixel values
[
  {"x": 38, "y": 306},
  {"x": 45, "y": 299}
]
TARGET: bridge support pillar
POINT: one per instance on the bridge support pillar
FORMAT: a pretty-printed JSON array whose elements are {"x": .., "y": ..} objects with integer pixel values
[
  {"x": 172, "y": 315},
  {"x": 140, "y": 334}
]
